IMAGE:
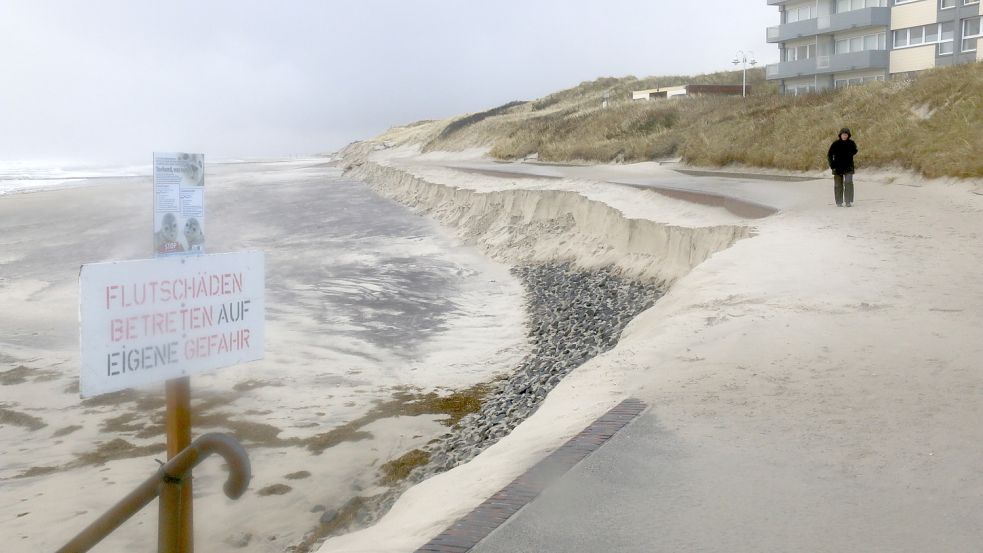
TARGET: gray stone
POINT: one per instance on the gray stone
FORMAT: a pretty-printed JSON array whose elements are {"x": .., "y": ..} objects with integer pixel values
[{"x": 572, "y": 316}]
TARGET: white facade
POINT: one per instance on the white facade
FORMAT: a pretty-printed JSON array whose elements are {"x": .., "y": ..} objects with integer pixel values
[{"x": 655, "y": 93}]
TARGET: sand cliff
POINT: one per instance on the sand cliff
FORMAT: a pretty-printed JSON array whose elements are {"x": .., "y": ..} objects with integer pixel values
[{"x": 524, "y": 225}]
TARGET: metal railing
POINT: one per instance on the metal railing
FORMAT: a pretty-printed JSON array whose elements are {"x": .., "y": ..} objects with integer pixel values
[
  {"x": 824, "y": 65},
  {"x": 827, "y": 24},
  {"x": 166, "y": 483}
]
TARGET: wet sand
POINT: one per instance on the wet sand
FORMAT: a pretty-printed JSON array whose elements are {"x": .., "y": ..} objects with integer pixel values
[{"x": 363, "y": 299}]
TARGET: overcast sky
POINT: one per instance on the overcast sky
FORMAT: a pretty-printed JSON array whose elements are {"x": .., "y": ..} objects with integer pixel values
[{"x": 102, "y": 81}]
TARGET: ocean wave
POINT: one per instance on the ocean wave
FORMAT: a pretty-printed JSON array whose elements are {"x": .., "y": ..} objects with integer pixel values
[{"x": 33, "y": 175}]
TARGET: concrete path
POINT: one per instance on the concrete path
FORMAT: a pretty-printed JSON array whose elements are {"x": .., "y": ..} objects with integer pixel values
[
  {"x": 618, "y": 499},
  {"x": 470, "y": 530},
  {"x": 638, "y": 494}
]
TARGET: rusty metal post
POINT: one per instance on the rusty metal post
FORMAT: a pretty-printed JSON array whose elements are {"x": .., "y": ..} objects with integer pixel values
[
  {"x": 176, "y": 515},
  {"x": 169, "y": 515}
]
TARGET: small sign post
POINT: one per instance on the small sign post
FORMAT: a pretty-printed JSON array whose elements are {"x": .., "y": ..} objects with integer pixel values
[
  {"x": 176, "y": 515},
  {"x": 179, "y": 191},
  {"x": 164, "y": 319}
]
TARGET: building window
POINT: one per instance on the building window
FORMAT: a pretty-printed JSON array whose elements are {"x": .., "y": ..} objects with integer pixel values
[
  {"x": 803, "y": 52},
  {"x": 948, "y": 37},
  {"x": 971, "y": 31},
  {"x": 877, "y": 41},
  {"x": 901, "y": 38},
  {"x": 843, "y": 83},
  {"x": 936, "y": 33},
  {"x": 799, "y": 90},
  {"x": 850, "y": 5},
  {"x": 916, "y": 35},
  {"x": 801, "y": 13},
  {"x": 969, "y": 2},
  {"x": 946, "y": 4}
]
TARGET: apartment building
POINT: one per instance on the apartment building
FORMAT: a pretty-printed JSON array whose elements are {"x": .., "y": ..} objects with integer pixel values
[
  {"x": 836, "y": 43},
  {"x": 934, "y": 33}
]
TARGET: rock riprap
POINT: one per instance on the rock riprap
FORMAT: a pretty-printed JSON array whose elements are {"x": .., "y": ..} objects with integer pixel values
[{"x": 573, "y": 315}]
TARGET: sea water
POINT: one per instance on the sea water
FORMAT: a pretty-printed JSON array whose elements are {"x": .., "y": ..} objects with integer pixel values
[{"x": 40, "y": 175}]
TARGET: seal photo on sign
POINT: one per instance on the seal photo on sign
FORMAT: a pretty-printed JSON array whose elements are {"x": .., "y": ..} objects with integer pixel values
[
  {"x": 194, "y": 235},
  {"x": 193, "y": 171},
  {"x": 165, "y": 239}
]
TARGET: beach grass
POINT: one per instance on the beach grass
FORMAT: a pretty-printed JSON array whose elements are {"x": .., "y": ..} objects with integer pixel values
[{"x": 931, "y": 124}]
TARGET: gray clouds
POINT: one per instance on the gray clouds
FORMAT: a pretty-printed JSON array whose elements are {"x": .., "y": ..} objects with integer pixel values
[{"x": 115, "y": 80}]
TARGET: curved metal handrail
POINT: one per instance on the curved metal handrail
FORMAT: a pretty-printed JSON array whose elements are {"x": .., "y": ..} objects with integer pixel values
[{"x": 172, "y": 471}]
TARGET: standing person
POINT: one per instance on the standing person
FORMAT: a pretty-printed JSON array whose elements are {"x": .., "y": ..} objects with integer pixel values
[{"x": 840, "y": 157}]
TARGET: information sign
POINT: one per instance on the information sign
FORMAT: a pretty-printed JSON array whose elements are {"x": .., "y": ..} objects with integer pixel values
[
  {"x": 179, "y": 203},
  {"x": 152, "y": 320}
]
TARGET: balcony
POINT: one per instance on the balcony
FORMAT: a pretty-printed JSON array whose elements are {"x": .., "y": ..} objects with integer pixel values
[
  {"x": 824, "y": 24},
  {"x": 824, "y": 65},
  {"x": 790, "y": 31}
]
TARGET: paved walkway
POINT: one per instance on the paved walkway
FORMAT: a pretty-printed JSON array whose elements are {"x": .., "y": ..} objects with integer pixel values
[
  {"x": 465, "y": 533},
  {"x": 612, "y": 501},
  {"x": 641, "y": 493}
]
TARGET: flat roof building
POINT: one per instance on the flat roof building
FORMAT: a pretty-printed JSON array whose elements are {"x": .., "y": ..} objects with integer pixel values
[
  {"x": 835, "y": 43},
  {"x": 690, "y": 90},
  {"x": 662, "y": 92}
]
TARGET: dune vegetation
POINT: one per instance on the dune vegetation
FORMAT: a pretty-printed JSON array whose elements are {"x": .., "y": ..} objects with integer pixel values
[{"x": 932, "y": 124}]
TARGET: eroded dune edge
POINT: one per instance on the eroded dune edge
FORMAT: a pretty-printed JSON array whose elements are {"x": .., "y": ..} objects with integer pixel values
[{"x": 587, "y": 268}]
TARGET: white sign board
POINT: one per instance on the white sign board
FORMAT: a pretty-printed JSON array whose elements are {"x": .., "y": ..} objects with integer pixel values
[
  {"x": 152, "y": 320},
  {"x": 179, "y": 203}
]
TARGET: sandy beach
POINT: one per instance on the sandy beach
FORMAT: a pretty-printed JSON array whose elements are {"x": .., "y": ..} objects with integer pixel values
[
  {"x": 821, "y": 366},
  {"x": 511, "y": 277},
  {"x": 365, "y": 301},
  {"x": 813, "y": 362}
]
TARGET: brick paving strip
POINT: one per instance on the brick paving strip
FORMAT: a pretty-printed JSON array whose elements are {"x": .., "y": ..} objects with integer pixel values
[{"x": 464, "y": 534}]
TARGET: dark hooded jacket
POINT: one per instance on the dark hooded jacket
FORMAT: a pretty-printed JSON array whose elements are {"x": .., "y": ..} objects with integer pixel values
[{"x": 841, "y": 152}]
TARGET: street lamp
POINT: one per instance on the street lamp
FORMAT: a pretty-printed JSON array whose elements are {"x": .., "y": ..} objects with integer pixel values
[{"x": 745, "y": 59}]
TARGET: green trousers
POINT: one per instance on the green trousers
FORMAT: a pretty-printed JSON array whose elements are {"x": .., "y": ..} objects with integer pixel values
[{"x": 843, "y": 188}]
